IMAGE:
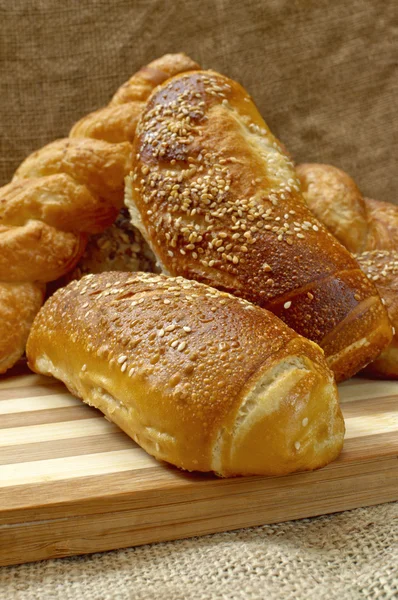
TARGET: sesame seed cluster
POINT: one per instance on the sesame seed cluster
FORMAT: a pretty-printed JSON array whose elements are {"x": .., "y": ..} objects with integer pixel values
[
  {"x": 381, "y": 266},
  {"x": 217, "y": 198},
  {"x": 184, "y": 187},
  {"x": 219, "y": 201},
  {"x": 175, "y": 334}
]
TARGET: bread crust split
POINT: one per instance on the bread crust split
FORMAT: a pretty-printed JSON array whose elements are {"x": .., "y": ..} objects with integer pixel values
[
  {"x": 197, "y": 377},
  {"x": 218, "y": 200},
  {"x": 369, "y": 229}
]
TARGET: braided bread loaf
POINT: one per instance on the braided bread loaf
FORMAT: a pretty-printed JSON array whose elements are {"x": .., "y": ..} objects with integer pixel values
[
  {"x": 369, "y": 229},
  {"x": 60, "y": 195}
]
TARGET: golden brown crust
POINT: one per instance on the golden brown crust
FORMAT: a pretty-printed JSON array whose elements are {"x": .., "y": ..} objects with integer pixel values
[
  {"x": 113, "y": 124},
  {"x": 38, "y": 252},
  {"x": 367, "y": 227},
  {"x": 19, "y": 304},
  {"x": 199, "y": 378},
  {"x": 382, "y": 220},
  {"x": 381, "y": 266},
  {"x": 360, "y": 224},
  {"x": 336, "y": 201},
  {"x": 98, "y": 165},
  {"x": 117, "y": 122},
  {"x": 71, "y": 188},
  {"x": 58, "y": 200},
  {"x": 142, "y": 83},
  {"x": 219, "y": 201}
]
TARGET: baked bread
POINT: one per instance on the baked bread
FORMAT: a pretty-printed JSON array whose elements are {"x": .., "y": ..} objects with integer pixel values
[
  {"x": 218, "y": 200},
  {"x": 369, "y": 229},
  {"x": 336, "y": 201},
  {"x": 359, "y": 223},
  {"x": 381, "y": 266},
  {"x": 197, "y": 377},
  {"x": 44, "y": 224},
  {"x": 121, "y": 247},
  {"x": 61, "y": 194},
  {"x": 24, "y": 300}
]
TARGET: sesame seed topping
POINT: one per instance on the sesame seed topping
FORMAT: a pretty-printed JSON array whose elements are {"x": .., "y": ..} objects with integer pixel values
[
  {"x": 84, "y": 368},
  {"x": 297, "y": 445},
  {"x": 304, "y": 422},
  {"x": 182, "y": 346},
  {"x": 196, "y": 208},
  {"x": 287, "y": 304},
  {"x": 121, "y": 359}
]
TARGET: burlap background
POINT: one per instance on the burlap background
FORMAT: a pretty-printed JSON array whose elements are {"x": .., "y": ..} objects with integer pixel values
[
  {"x": 324, "y": 76},
  {"x": 323, "y": 72}
]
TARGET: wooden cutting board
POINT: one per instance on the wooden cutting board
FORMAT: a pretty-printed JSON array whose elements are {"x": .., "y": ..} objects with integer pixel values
[{"x": 73, "y": 483}]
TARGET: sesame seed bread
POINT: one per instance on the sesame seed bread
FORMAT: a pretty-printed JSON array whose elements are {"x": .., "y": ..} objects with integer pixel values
[
  {"x": 369, "y": 229},
  {"x": 120, "y": 247},
  {"x": 197, "y": 377},
  {"x": 218, "y": 200},
  {"x": 61, "y": 194},
  {"x": 381, "y": 266},
  {"x": 382, "y": 225}
]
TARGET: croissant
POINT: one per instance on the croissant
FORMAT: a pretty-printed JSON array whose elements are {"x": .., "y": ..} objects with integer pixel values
[
  {"x": 61, "y": 194},
  {"x": 218, "y": 200},
  {"x": 369, "y": 229},
  {"x": 197, "y": 377}
]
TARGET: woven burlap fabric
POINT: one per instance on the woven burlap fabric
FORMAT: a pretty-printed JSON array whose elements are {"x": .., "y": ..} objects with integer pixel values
[
  {"x": 349, "y": 556},
  {"x": 322, "y": 72}
]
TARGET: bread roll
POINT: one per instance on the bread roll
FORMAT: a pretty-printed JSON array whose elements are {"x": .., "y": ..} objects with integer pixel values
[
  {"x": 359, "y": 223},
  {"x": 218, "y": 200},
  {"x": 197, "y": 377},
  {"x": 369, "y": 229}
]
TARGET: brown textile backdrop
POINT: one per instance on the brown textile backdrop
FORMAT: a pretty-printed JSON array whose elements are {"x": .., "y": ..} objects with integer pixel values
[{"x": 323, "y": 73}]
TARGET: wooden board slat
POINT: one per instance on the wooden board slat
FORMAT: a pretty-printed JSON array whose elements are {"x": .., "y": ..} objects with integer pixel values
[{"x": 73, "y": 483}]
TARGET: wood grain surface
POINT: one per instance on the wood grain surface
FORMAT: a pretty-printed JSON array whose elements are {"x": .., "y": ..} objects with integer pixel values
[{"x": 73, "y": 483}]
